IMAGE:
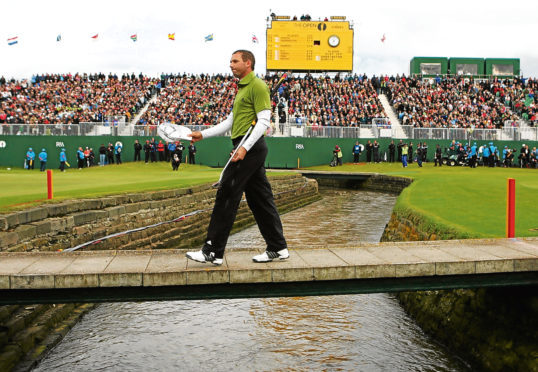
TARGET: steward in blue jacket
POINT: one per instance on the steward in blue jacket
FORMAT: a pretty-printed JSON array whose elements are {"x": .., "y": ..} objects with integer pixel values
[
  {"x": 30, "y": 157},
  {"x": 63, "y": 160},
  {"x": 485, "y": 155},
  {"x": 43, "y": 159}
]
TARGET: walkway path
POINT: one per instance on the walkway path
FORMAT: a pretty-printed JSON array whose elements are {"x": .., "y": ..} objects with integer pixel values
[{"x": 397, "y": 130}]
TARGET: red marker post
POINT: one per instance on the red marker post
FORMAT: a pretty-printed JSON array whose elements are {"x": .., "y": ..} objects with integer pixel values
[
  {"x": 49, "y": 183},
  {"x": 511, "y": 208}
]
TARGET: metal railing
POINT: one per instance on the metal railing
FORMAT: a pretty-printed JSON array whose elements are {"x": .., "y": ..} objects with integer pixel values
[{"x": 287, "y": 130}]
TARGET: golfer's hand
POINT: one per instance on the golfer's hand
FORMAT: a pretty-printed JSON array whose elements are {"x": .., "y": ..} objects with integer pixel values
[
  {"x": 195, "y": 136},
  {"x": 240, "y": 154}
]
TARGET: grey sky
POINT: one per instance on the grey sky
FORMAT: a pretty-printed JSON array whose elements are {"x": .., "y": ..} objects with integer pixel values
[{"x": 413, "y": 28}]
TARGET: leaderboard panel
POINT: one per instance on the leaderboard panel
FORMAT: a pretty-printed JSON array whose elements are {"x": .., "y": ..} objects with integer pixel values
[{"x": 309, "y": 46}]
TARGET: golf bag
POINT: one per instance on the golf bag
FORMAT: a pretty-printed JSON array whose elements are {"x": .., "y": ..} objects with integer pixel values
[{"x": 334, "y": 162}]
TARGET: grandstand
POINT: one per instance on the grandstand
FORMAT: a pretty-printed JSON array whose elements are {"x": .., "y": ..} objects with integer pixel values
[{"x": 341, "y": 105}]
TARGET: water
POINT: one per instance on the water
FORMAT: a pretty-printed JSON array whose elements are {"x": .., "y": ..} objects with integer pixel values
[{"x": 357, "y": 332}]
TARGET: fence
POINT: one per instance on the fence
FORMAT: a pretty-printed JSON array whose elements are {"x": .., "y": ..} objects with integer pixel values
[{"x": 284, "y": 130}]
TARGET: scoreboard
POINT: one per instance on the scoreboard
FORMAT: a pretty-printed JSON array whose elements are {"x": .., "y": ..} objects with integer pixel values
[{"x": 314, "y": 46}]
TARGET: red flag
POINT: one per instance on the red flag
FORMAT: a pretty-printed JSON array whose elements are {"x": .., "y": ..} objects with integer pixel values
[
  {"x": 383, "y": 38},
  {"x": 95, "y": 36}
]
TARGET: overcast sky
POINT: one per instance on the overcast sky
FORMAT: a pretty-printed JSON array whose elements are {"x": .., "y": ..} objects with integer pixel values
[{"x": 456, "y": 28}]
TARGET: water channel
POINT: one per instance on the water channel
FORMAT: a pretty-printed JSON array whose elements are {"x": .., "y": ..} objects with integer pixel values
[{"x": 368, "y": 332}]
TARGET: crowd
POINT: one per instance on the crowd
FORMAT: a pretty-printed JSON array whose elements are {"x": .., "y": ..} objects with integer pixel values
[
  {"x": 70, "y": 99},
  {"x": 347, "y": 100},
  {"x": 328, "y": 101},
  {"x": 460, "y": 102},
  {"x": 454, "y": 153},
  {"x": 85, "y": 157},
  {"x": 191, "y": 100}
]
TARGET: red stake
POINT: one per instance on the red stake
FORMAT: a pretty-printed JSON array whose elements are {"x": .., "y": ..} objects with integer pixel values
[
  {"x": 511, "y": 208},
  {"x": 49, "y": 183}
]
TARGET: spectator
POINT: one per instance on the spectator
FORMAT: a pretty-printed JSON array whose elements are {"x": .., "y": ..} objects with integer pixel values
[
  {"x": 102, "y": 155},
  {"x": 117, "y": 152},
  {"x": 438, "y": 156},
  {"x": 92, "y": 157},
  {"x": 137, "y": 149},
  {"x": 369, "y": 151},
  {"x": 110, "y": 150},
  {"x": 192, "y": 153},
  {"x": 160, "y": 150},
  {"x": 392, "y": 151},
  {"x": 375, "y": 148},
  {"x": 356, "y": 152},
  {"x": 153, "y": 150},
  {"x": 87, "y": 157},
  {"x": 80, "y": 158},
  {"x": 147, "y": 150}
]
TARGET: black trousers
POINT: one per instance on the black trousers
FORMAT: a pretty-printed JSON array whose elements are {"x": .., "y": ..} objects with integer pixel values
[{"x": 247, "y": 175}]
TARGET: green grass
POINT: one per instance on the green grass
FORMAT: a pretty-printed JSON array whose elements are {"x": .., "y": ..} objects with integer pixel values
[
  {"x": 23, "y": 188},
  {"x": 472, "y": 201}
]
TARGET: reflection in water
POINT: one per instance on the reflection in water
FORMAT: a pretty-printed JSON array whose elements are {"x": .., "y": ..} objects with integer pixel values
[{"x": 356, "y": 332}]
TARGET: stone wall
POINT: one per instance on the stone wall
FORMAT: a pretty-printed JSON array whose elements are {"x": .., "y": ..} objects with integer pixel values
[
  {"x": 492, "y": 328},
  {"x": 65, "y": 225},
  {"x": 27, "y": 333},
  {"x": 371, "y": 182}
]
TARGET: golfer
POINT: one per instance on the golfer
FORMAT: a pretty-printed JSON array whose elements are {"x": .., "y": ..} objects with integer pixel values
[{"x": 246, "y": 172}]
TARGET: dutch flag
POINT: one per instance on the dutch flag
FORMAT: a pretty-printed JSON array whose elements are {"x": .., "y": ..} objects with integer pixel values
[{"x": 13, "y": 40}]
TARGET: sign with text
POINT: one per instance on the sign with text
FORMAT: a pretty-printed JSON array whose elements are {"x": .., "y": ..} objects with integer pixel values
[{"x": 309, "y": 46}]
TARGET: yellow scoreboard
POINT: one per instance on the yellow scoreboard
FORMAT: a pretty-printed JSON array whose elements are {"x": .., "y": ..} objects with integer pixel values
[{"x": 309, "y": 46}]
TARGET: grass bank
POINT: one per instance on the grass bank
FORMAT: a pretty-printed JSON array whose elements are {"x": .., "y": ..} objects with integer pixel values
[{"x": 472, "y": 201}]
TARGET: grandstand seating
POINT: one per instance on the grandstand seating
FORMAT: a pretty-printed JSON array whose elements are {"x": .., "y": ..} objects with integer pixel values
[
  {"x": 458, "y": 102},
  {"x": 52, "y": 99},
  {"x": 351, "y": 100}
]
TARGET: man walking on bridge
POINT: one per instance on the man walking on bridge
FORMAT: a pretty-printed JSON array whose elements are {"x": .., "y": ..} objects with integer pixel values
[{"x": 246, "y": 172}]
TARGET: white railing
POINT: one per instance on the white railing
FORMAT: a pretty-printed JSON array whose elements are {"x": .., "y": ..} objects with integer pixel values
[{"x": 525, "y": 133}]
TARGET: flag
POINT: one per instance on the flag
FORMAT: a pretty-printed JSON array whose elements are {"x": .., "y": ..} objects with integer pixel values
[
  {"x": 254, "y": 39},
  {"x": 383, "y": 38},
  {"x": 209, "y": 37},
  {"x": 134, "y": 37},
  {"x": 94, "y": 37},
  {"x": 59, "y": 37},
  {"x": 13, "y": 40},
  {"x": 172, "y": 36}
]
